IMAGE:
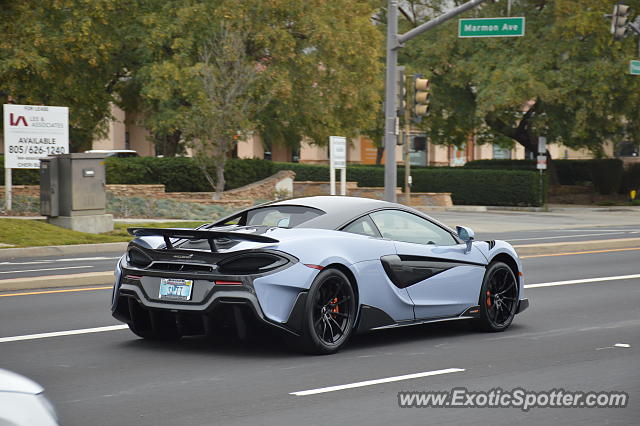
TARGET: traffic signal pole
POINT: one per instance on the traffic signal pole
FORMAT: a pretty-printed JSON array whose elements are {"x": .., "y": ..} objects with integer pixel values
[
  {"x": 390, "y": 108},
  {"x": 391, "y": 123}
]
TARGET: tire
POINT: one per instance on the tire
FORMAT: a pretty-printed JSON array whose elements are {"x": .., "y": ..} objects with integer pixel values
[
  {"x": 498, "y": 298},
  {"x": 329, "y": 316}
]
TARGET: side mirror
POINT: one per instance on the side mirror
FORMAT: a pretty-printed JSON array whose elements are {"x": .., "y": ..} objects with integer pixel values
[{"x": 467, "y": 235}]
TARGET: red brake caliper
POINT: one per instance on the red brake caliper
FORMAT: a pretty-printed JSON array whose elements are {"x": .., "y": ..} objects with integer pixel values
[
  {"x": 335, "y": 308},
  {"x": 488, "y": 298}
]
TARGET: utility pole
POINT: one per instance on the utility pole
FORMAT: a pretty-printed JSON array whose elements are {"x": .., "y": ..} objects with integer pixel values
[
  {"x": 391, "y": 123},
  {"x": 390, "y": 108}
]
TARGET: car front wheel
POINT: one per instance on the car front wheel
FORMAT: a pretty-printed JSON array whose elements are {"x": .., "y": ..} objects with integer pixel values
[{"x": 498, "y": 297}]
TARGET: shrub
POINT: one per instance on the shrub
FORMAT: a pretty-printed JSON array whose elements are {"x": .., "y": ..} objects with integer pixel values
[
  {"x": 631, "y": 179},
  {"x": 502, "y": 164},
  {"x": 181, "y": 174},
  {"x": 606, "y": 175},
  {"x": 482, "y": 187},
  {"x": 573, "y": 172}
]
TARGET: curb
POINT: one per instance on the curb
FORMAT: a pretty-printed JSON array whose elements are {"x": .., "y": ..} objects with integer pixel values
[
  {"x": 55, "y": 281},
  {"x": 576, "y": 246},
  {"x": 16, "y": 253}
]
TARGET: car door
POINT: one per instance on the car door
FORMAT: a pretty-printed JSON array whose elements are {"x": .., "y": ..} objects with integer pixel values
[{"x": 440, "y": 276}]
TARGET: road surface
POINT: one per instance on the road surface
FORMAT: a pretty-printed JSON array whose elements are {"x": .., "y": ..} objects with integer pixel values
[{"x": 567, "y": 339}]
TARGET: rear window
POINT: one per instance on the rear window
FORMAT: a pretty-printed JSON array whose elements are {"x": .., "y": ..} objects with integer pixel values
[{"x": 281, "y": 216}]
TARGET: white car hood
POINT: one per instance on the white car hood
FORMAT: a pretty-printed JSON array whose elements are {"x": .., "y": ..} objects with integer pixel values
[{"x": 13, "y": 382}]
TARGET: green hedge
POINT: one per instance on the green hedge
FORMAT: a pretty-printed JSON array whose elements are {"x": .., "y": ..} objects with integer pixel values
[
  {"x": 607, "y": 175},
  {"x": 180, "y": 174},
  {"x": 631, "y": 179},
  {"x": 482, "y": 187},
  {"x": 501, "y": 164},
  {"x": 602, "y": 173}
]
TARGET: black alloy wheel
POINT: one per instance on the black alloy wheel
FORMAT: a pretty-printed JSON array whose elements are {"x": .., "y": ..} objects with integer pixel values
[
  {"x": 498, "y": 297},
  {"x": 330, "y": 313}
]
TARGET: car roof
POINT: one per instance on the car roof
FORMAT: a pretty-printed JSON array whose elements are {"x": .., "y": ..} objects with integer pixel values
[{"x": 340, "y": 209}]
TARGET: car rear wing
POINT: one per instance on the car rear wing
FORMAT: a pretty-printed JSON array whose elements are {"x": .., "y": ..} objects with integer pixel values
[{"x": 194, "y": 234}]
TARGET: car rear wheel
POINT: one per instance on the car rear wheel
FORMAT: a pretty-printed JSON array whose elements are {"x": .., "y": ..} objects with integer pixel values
[
  {"x": 330, "y": 312},
  {"x": 498, "y": 298}
]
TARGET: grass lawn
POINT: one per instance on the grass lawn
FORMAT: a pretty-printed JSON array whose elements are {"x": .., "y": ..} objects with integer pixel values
[{"x": 30, "y": 233}]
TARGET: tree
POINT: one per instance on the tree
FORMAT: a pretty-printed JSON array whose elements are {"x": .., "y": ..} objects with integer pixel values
[
  {"x": 565, "y": 79},
  {"x": 319, "y": 64},
  {"x": 71, "y": 53},
  {"x": 222, "y": 100}
]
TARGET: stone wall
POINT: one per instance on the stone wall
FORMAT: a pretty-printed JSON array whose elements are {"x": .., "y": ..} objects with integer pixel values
[
  {"x": 142, "y": 191},
  {"x": 24, "y": 190},
  {"x": 280, "y": 185}
]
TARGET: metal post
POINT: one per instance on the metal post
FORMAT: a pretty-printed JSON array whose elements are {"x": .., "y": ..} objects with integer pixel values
[
  {"x": 7, "y": 188},
  {"x": 394, "y": 42},
  {"x": 407, "y": 155},
  {"x": 437, "y": 21},
  {"x": 332, "y": 180},
  {"x": 541, "y": 189},
  {"x": 390, "y": 136},
  {"x": 343, "y": 181}
]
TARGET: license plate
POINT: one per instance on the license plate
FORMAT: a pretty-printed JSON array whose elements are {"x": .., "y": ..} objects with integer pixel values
[{"x": 175, "y": 289}]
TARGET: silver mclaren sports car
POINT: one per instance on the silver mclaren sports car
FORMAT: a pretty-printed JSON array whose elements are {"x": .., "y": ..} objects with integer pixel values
[{"x": 319, "y": 269}]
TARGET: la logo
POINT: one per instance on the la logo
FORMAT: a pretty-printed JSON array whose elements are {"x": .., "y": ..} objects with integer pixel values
[{"x": 13, "y": 122}]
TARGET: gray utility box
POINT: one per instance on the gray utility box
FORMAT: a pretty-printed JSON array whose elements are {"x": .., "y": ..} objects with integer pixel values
[{"x": 73, "y": 192}]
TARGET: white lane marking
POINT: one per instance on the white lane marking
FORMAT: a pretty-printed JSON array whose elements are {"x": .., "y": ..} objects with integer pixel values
[
  {"x": 583, "y": 281},
  {"x": 82, "y": 259},
  {"x": 617, "y": 345},
  {"x": 46, "y": 269},
  {"x": 566, "y": 236},
  {"x": 593, "y": 230},
  {"x": 73, "y": 259},
  {"x": 376, "y": 381},
  {"x": 63, "y": 333}
]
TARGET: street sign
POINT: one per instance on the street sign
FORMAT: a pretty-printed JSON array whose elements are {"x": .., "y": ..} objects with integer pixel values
[
  {"x": 542, "y": 145},
  {"x": 542, "y": 162},
  {"x": 338, "y": 145},
  {"x": 491, "y": 27},
  {"x": 337, "y": 160},
  {"x": 634, "y": 67},
  {"x": 32, "y": 132}
]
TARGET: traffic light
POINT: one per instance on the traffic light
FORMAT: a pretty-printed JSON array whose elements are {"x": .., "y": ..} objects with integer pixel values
[
  {"x": 420, "y": 97},
  {"x": 401, "y": 85},
  {"x": 619, "y": 20}
]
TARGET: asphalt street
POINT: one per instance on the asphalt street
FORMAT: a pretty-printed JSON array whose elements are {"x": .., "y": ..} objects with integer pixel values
[
  {"x": 100, "y": 262},
  {"x": 567, "y": 339}
]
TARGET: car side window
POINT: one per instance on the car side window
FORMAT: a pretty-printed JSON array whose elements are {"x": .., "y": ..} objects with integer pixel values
[
  {"x": 362, "y": 226},
  {"x": 403, "y": 226}
]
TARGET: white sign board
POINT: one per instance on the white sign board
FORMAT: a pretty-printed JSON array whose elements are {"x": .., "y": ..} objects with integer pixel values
[
  {"x": 338, "y": 152},
  {"x": 32, "y": 132},
  {"x": 542, "y": 145},
  {"x": 542, "y": 162}
]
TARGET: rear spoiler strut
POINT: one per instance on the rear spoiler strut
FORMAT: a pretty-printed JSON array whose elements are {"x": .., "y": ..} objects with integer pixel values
[{"x": 193, "y": 234}]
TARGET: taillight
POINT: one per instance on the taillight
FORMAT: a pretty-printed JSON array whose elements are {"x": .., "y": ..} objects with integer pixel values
[
  {"x": 254, "y": 263},
  {"x": 138, "y": 258}
]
